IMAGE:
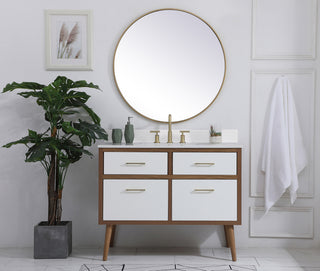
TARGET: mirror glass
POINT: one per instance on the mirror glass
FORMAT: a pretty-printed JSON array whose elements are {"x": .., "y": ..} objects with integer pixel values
[{"x": 169, "y": 62}]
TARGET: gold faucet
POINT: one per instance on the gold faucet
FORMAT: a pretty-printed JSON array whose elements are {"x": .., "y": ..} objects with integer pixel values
[{"x": 169, "y": 129}]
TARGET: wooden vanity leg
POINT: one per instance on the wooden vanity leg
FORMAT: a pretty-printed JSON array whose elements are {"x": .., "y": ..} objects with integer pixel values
[
  {"x": 107, "y": 241},
  {"x": 226, "y": 235},
  {"x": 112, "y": 235},
  {"x": 230, "y": 240}
]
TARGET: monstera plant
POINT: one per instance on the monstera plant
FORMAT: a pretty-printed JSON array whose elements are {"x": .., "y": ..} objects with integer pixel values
[{"x": 65, "y": 140}]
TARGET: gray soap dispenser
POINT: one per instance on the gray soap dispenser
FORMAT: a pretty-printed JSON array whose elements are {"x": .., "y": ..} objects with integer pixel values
[{"x": 129, "y": 132}]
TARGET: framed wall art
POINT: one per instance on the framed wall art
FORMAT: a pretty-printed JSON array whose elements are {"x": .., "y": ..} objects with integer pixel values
[{"x": 68, "y": 39}]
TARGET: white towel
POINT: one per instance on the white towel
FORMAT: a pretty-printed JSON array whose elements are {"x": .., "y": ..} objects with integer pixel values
[{"x": 284, "y": 154}]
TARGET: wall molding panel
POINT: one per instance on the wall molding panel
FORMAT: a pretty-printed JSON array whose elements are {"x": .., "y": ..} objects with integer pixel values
[
  {"x": 282, "y": 222},
  {"x": 284, "y": 29},
  {"x": 303, "y": 88}
]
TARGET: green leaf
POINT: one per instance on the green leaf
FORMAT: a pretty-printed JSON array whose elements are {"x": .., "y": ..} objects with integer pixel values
[
  {"x": 34, "y": 134},
  {"x": 90, "y": 132},
  {"x": 32, "y": 137},
  {"x": 27, "y": 94},
  {"x": 38, "y": 151},
  {"x": 75, "y": 98},
  {"x": 70, "y": 151},
  {"x": 23, "y": 140},
  {"x": 65, "y": 84},
  {"x": 92, "y": 114},
  {"x": 82, "y": 84},
  {"x": 23, "y": 85},
  {"x": 70, "y": 112},
  {"x": 79, "y": 102},
  {"x": 42, "y": 145},
  {"x": 69, "y": 129}
]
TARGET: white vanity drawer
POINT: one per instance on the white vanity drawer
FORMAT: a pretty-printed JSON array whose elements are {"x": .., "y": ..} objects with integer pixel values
[
  {"x": 203, "y": 163},
  {"x": 204, "y": 200},
  {"x": 135, "y": 163},
  {"x": 135, "y": 200}
]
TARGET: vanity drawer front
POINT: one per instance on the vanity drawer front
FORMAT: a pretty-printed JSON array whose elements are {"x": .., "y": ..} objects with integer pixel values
[
  {"x": 135, "y": 163},
  {"x": 204, "y": 200},
  {"x": 205, "y": 163},
  {"x": 135, "y": 200}
]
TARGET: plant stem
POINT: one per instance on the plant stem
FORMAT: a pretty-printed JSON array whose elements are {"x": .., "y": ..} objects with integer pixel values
[
  {"x": 51, "y": 192},
  {"x": 59, "y": 206},
  {"x": 57, "y": 189}
]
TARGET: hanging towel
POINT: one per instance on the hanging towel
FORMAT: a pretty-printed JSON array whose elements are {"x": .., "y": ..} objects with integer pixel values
[{"x": 284, "y": 154}]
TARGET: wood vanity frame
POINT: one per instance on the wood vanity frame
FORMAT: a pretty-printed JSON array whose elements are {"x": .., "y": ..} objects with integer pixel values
[{"x": 111, "y": 225}]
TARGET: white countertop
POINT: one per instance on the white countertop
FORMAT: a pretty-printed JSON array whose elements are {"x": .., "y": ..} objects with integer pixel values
[
  {"x": 194, "y": 139},
  {"x": 173, "y": 145}
]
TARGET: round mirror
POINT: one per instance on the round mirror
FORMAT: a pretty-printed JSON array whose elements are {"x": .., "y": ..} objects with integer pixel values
[{"x": 169, "y": 62}]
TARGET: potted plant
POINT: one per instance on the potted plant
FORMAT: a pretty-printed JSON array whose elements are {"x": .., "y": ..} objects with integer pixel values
[
  {"x": 215, "y": 137},
  {"x": 63, "y": 143}
]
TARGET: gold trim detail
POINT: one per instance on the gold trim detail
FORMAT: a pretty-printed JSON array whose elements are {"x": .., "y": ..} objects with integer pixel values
[
  {"x": 140, "y": 17},
  {"x": 156, "y": 137},
  {"x": 135, "y": 190},
  {"x": 203, "y": 190},
  {"x": 204, "y": 164},
  {"x": 183, "y": 137},
  {"x": 169, "y": 129}
]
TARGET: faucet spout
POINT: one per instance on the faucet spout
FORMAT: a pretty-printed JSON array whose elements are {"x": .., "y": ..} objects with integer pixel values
[{"x": 169, "y": 129}]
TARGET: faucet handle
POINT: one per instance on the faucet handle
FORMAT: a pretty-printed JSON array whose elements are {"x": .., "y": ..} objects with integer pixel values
[
  {"x": 183, "y": 137},
  {"x": 156, "y": 137}
]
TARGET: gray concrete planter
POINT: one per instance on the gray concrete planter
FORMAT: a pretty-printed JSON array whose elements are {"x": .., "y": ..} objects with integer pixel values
[{"x": 52, "y": 242}]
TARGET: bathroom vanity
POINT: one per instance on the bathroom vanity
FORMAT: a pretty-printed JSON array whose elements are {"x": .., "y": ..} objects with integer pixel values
[{"x": 170, "y": 184}]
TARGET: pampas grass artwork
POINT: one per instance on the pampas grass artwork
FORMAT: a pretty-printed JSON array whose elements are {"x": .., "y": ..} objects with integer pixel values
[{"x": 69, "y": 41}]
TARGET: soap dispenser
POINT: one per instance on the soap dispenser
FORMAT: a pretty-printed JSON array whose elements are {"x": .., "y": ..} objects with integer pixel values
[{"x": 128, "y": 132}]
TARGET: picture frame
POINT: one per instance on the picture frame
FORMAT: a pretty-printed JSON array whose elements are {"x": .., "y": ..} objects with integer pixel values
[{"x": 68, "y": 39}]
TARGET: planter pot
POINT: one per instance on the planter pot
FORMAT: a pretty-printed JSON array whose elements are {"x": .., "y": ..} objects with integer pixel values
[
  {"x": 52, "y": 242},
  {"x": 215, "y": 139}
]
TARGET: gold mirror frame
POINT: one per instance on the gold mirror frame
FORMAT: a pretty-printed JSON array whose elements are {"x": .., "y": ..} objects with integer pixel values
[{"x": 114, "y": 56}]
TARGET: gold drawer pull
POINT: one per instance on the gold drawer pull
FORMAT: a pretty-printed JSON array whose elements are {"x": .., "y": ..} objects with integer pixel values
[
  {"x": 135, "y": 164},
  {"x": 135, "y": 190},
  {"x": 204, "y": 164},
  {"x": 203, "y": 190}
]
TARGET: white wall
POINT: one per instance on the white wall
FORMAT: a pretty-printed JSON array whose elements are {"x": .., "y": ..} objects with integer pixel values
[{"x": 22, "y": 55}]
